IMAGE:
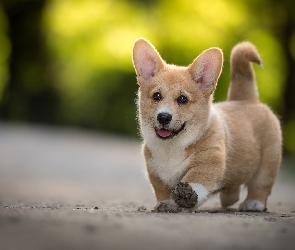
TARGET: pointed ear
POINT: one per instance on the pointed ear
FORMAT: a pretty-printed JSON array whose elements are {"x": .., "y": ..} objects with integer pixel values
[
  {"x": 146, "y": 60},
  {"x": 206, "y": 69}
]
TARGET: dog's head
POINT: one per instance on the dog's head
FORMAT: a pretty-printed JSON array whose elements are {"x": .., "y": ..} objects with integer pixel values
[{"x": 174, "y": 100}]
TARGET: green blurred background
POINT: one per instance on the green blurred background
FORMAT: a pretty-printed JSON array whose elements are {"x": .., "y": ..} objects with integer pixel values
[{"x": 68, "y": 62}]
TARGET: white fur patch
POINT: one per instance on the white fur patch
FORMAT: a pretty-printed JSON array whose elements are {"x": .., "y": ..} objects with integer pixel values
[{"x": 201, "y": 191}]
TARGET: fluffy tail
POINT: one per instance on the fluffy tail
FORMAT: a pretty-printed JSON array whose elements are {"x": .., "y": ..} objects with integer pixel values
[{"x": 243, "y": 83}]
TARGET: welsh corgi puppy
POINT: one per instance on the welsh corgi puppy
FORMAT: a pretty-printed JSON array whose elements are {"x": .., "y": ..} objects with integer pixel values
[{"x": 194, "y": 148}]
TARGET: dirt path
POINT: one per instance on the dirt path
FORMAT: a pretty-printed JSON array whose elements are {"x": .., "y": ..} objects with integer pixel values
[{"x": 66, "y": 189}]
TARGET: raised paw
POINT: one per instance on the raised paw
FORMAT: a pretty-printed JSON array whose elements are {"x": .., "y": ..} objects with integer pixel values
[
  {"x": 167, "y": 206},
  {"x": 184, "y": 195},
  {"x": 252, "y": 206}
]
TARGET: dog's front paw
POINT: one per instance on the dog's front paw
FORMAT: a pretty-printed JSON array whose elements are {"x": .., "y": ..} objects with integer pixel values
[
  {"x": 167, "y": 206},
  {"x": 184, "y": 195}
]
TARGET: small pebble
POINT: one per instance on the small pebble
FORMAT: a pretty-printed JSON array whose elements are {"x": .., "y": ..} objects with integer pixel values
[{"x": 141, "y": 209}]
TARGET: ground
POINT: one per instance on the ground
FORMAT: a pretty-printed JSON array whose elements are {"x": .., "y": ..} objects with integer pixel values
[{"x": 62, "y": 188}]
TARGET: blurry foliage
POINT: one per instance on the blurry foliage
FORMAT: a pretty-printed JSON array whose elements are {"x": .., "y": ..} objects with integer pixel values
[
  {"x": 28, "y": 93},
  {"x": 4, "y": 53},
  {"x": 89, "y": 45}
]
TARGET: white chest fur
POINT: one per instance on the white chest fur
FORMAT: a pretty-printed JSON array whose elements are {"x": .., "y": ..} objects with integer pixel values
[{"x": 169, "y": 163}]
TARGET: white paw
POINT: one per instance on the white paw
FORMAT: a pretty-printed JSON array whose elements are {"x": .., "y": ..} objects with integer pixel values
[{"x": 252, "y": 206}]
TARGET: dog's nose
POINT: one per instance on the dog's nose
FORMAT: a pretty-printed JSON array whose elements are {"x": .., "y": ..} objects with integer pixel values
[{"x": 164, "y": 118}]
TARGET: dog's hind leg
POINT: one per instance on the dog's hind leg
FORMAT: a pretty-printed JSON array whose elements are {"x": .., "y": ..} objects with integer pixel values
[
  {"x": 259, "y": 187},
  {"x": 229, "y": 196},
  {"x": 256, "y": 199}
]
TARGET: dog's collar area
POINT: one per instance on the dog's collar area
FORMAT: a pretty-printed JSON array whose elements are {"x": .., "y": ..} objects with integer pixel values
[{"x": 165, "y": 134}]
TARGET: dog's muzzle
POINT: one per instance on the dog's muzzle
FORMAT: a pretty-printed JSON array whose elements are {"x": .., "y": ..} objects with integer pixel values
[{"x": 164, "y": 132}]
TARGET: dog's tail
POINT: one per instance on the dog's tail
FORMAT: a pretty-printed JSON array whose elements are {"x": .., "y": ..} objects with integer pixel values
[{"x": 243, "y": 82}]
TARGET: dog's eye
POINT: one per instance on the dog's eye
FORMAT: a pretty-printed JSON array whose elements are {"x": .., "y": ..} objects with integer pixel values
[
  {"x": 157, "y": 96},
  {"x": 182, "y": 99}
]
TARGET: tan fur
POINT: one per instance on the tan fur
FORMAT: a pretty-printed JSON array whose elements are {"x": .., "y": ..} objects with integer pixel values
[{"x": 217, "y": 147}]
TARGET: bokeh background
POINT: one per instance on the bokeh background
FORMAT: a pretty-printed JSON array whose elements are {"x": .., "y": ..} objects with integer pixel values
[{"x": 68, "y": 62}]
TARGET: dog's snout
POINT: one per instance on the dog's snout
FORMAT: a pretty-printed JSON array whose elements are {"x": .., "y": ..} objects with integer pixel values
[{"x": 164, "y": 118}]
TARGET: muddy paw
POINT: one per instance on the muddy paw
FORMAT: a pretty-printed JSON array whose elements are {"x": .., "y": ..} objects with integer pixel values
[
  {"x": 167, "y": 206},
  {"x": 184, "y": 195}
]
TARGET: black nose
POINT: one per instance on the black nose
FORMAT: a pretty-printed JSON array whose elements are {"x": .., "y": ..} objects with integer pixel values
[{"x": 164, "y": 118}]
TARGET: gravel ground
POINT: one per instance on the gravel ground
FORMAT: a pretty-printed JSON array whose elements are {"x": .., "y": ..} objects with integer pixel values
[{"x": 62, "y": 188}]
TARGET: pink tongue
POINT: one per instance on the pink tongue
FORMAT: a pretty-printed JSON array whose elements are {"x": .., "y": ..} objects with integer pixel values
[{"x": 164, "y": 132}]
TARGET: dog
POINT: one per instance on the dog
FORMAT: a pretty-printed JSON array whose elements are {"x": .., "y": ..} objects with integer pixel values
[{"x": 194, "y": 148}]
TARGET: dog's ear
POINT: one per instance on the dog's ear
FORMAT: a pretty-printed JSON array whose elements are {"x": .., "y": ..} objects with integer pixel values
[
  {"x": 146, "y": 60},
  {"x": 206, "y": 69}
]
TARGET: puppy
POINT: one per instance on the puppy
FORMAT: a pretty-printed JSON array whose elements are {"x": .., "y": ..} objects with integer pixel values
[{"x": 194, "y": 148}]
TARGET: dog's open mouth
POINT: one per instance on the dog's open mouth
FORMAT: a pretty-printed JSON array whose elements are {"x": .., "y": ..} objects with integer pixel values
[{"x": 164, "y": 133}]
